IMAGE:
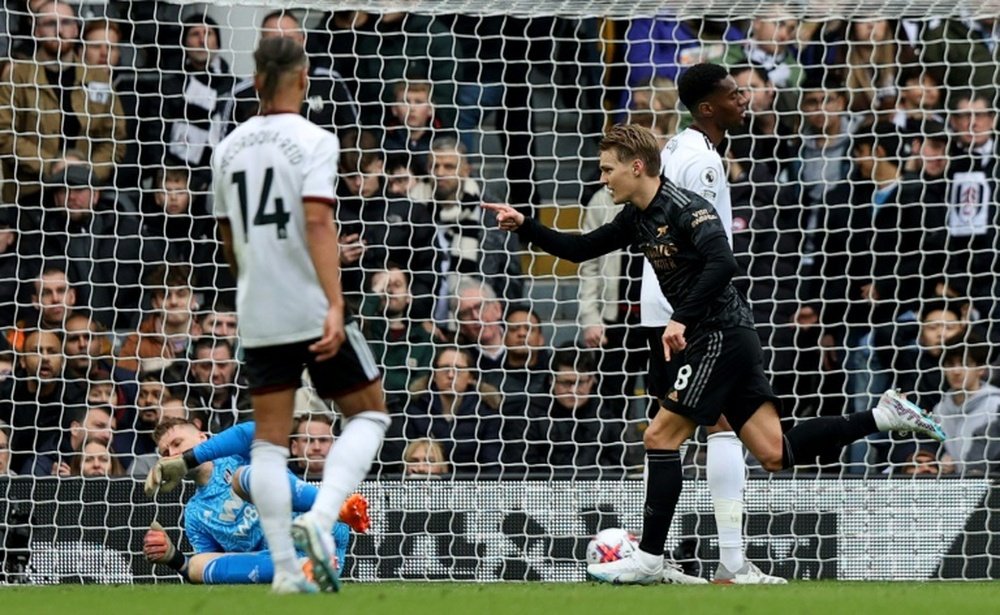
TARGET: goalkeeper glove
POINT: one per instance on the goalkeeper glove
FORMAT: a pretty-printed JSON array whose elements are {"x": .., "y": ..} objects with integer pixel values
[
  {"x": 354, "y": 513},
  {"x": 169, "y": 472},
  {"x": 159, "y": 549}
]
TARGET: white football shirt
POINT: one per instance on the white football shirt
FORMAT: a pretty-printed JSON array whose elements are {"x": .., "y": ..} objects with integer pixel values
[
  {"x": 692, "y": 162},
  {"x": 262, "y": 173}
]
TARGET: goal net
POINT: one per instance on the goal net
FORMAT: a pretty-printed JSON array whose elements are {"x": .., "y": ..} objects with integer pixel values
[{"x": 864, "y": 201}]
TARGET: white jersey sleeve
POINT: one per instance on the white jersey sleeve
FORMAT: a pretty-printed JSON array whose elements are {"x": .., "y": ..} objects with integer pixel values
[
  {"x": 320, "y": 180},
  {"x": 690, "y": 161}
]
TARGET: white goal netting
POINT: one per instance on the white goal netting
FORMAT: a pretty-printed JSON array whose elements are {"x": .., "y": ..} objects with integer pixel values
[{"x": 864, "y": 191}]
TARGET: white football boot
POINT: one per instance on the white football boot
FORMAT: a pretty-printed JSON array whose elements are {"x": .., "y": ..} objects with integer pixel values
[
  {"x": 749, "y": 574},
  {"x": 320, "y": 550},
  {"x": 638, "y": 568},
  {"x": 673, "y": 574},
  {"x": 292, "y": 584},
  {"x": 894, "y": 413}
]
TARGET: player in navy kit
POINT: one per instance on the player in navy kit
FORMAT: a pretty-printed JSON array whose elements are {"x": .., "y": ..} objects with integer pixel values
[{"x": 723, "y": 373}]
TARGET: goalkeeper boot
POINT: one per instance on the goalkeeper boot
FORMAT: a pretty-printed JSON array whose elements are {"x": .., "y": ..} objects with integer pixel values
[
  {"x": 673, "y": 574},
  {"x": 285, "y": 583},
  {"x": 319, "y": 548},
  {"x": 639, "y": 568},
  {"x": 749, "y": 574},
  {"x": 894, "y": 413}
]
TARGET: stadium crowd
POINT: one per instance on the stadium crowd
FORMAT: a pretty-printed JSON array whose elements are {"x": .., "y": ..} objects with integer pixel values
[{"x": 864, "y": 190}]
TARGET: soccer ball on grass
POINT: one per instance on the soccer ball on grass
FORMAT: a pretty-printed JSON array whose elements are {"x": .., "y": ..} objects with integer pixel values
[{"x": 610, "y": 545}]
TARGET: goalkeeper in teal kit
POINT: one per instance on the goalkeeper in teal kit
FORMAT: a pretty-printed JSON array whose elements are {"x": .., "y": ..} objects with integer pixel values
[{"x": 220, "y": 521}]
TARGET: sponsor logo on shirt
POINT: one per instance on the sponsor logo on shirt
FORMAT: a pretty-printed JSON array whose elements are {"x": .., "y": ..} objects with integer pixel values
[{"x": 702, "y": 215}]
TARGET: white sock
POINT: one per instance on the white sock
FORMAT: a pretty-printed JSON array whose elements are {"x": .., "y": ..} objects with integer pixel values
[
  {"x": 347, "y": 464},
  {"x": 726, "y": 472},
  {"x": 272, "y": 496}
]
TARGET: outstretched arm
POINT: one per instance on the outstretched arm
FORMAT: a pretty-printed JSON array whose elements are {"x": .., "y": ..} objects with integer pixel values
[
  {"x": 234, "y": 441},
  {"x": 572, "y": 247}
]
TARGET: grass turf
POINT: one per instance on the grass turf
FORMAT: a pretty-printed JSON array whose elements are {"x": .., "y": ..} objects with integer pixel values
[{"x": 812, "y": 598}]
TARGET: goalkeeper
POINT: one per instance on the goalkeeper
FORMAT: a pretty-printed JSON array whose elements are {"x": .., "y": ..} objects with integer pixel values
[{"x": 220, "y": 521}]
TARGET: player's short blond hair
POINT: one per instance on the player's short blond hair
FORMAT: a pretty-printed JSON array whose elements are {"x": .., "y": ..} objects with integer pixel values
[{"x": 631, "y": 142}]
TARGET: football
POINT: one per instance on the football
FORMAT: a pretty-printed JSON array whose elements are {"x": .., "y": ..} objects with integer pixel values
[{"x": 610, "y": 545}]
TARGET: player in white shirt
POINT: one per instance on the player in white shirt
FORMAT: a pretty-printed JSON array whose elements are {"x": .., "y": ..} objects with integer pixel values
[
  {"x": 692, "y": 161},
  {"x": 275, "y": 186}
]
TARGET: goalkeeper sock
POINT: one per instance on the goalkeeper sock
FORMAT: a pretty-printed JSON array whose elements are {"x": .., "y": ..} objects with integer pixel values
[
  {"x": 239, "y": 568},
  {"x": 726, "y": 474},
  {"x": 826, "y": 435},
  {"x": 269, "y": 480},
  {"x": 348, "y": 463},
  {"x": 663, "y": 488},
  {"x": 303, "y": 494}
]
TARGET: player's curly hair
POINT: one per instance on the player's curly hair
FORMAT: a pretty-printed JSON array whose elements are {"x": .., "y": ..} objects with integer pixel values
[
  {"x": 631, "y": 141},
  {"x": 698, "y": 83},
  {"x": 274, "y": 58}
]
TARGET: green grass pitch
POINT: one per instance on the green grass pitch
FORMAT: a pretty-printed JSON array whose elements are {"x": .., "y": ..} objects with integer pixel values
[{"x": 806, "y": 598}]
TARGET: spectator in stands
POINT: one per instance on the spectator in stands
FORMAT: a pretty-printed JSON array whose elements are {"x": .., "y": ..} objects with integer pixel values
[
  {"x": 180, "y": 113},
  {"x": 925, "y": 181},
  {"x": 869, "y": 228},
  {"x": 215, "y": 385},
  {"x": 468, "y": 239},
  {"x": 414, "y": 125},
  {"x": 328, "y": 103},
  {"x": 312, "y": 438},
  {"x": 81, "y": 424},
  {"x": 177, "y": 409},
  {"x": 425, "y": 457},
  {"x": 357, "y": 193},
  {"x": 765, "y": 137},
  {"x": 9, "y": 265},
  {"x": 378, "y": 228},
  {"x": 456, "y": 409},
  {"x": 963, "y": 53},
  {"x": 524, "y": 363},
  {"x": 873, "y": 58},
  {"x": 374, "y": 51},
  {"x": 32, "y": 402},
  {"x": 916, "y": 350},
  {"x": 970, "y": 409},
  {"x": 972, "y": 204},
  {"x": 53, "y": 298},
  {"x": 661, "y": 47},
  {"x": 101, "y": 246},
  {"x": 919, "y": 98},
  {"x": 134, "y": 427},
  {"x": 6, "y": 359},
  {"x": 399, "y": 177},
  {"x": 477, "y": 315},
  {"x": 221, "y": 323},
  {"x": 85, "y": 346},
  {"x": 52, "y": 103},
  {"x": 569, "y": 430},
  {"x": 769, "y": 45},
  {"x": 177, "y": 229},
  {"x": 401, "y": 344},
  {"x": 168, "y": 330},
  {"x": 96, "y": 461},
  {"x": 5, "y": 450},
  {"x": 823, "y": 162},
  {"x": 102, "y": 39}
]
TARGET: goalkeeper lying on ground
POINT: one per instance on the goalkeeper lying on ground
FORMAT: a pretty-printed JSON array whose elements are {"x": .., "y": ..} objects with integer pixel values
[{"x": 220, "y": 521}]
